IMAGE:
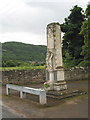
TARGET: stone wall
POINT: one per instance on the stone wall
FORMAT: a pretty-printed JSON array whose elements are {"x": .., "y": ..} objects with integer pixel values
[
  {"x": 78, "y": 73},
  {"x": 23, "y": 77}
]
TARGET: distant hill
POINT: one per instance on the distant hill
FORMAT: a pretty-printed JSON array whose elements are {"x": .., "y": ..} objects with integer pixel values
[{"x": 23, "y": 52}]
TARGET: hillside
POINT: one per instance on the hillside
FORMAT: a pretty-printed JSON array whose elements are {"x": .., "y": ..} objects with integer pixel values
[{"x": 23, "y": 52}]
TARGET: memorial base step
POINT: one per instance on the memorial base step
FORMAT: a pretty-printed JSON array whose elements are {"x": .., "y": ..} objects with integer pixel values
[
  {"x": 61, "y": 85},
  {"x": 65, "y": 94}
]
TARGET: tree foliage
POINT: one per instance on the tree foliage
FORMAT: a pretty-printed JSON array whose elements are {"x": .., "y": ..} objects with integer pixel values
[
  {"x": 72, "y": 40},
  {"x": 68, "y": 60},
  {"x": 9, "y": 63},
  {"x": 85, "y": 31}
]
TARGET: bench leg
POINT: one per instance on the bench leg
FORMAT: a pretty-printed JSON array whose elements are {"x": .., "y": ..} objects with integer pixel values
[
  {"x": 42, "y": 98},
  {"x": 22, "y": 95},
  {"x": 7, "y": 91}
]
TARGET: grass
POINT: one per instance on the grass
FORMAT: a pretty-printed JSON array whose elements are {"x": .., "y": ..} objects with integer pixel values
[{"x": 23, "y": 68}]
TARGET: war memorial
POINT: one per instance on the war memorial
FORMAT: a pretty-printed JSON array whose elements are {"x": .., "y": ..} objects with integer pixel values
[{"x": 55, "y": 86}]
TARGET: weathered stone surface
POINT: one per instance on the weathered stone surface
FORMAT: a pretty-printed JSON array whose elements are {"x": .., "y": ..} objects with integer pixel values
[
  {"x": 54, "y": 57},
  {"x": 22, "y": 77},
  {"x": 77, "y": 73},
  {"x": 54, "y": 50},
  {"x": 65, "y": 94}
]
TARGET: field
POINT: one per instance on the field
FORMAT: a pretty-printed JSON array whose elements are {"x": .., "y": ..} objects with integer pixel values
[{"x": 23, "y": 68}]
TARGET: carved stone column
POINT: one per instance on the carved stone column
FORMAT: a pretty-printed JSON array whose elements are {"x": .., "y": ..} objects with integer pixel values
[{"x": 54, "y": 70}]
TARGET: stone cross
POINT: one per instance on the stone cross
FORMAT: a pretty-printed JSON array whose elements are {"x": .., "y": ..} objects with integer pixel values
[{"x": 54, "y": 70}]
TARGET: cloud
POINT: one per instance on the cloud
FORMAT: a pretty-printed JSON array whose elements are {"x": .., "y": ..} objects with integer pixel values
[
  {"x": 32, "y": 16},
  {"x": 25, "y": 18},
  {"x": 35, "y": 39}
]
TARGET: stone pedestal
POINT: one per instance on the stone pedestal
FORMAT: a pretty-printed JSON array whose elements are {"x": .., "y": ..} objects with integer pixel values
[
  {"x": 60, "y": 85},
  {"x": 56, "y": 80},
  {"x": 60, "y": 74},
  {"x": 51, "y": 76}
]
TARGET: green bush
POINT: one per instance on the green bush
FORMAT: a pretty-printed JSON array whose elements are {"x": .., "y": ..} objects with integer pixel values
[
  {"x": 84, "y": 63},
  {"x": 68, "y": 60},
  {"x": 10, "y": 63}
]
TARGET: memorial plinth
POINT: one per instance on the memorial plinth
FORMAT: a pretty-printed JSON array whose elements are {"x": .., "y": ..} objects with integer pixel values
[{"x": 54, "y": 69}]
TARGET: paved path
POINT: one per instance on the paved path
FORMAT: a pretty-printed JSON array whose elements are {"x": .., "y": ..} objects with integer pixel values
[
  {"x": 70, "y": 109},
  {"x": 7, "y": 112}
]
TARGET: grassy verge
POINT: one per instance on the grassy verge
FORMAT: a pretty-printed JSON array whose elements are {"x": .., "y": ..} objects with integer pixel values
[{"x": 23, "y": 68}]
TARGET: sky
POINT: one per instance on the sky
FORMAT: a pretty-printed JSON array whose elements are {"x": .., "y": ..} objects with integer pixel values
[{"x": 26, "y": 20}]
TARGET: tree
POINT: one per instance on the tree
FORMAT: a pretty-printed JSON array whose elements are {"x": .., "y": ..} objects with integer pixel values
[
  {"x": 85, "y": 31},
  {"x": 68, "y": 60},
  {"x": 72, "y": 40}
]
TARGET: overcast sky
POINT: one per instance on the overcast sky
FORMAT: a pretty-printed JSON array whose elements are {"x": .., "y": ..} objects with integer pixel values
[{"x": 26, "y": 20}]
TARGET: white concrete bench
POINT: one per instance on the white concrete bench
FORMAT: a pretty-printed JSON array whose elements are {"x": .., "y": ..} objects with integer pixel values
[{"x": 24, "y": 90}]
